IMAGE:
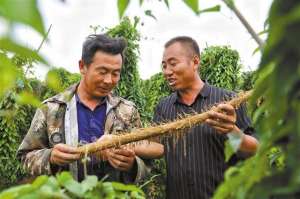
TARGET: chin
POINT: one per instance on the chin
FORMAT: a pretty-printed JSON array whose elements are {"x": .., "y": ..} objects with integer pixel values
[{"x": 100, "y": 94}]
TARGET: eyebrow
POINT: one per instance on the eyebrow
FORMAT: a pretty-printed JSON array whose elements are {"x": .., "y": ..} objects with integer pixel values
[{"x": 107, "y": 69}]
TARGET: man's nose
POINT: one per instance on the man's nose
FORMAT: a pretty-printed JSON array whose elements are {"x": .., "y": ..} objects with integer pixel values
[
  {"x": 167, "y": 71},
  {"x": 107, "y": 79}
]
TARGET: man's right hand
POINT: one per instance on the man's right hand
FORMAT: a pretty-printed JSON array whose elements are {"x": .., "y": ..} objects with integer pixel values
[{"x": 63, "y": 154}]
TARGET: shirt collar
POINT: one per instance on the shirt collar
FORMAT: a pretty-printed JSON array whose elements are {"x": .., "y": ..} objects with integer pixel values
[
  {"x": 103, "y": 100},
  {"x": 204, "y": 93}
]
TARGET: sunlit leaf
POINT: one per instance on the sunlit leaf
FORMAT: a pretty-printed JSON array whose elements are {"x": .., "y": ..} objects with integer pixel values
[
  {"x": 66, "y": 180},
  {"x": 216, "y": 8},
  {"x": 229, "y": 3},
  {"x": 53, "y": 81},
  {"x": 14, "y": 192},
  {"x": 89, "y": 183},
  {"x": 39, "y": 181},
  {"x": 256, "y": 50},
  {"x": 149, "y": 13},
  {"x": 28, "y": 98},
  {"x": 23, "y": 11},
  {"x": 123, "y": 187},
  {"x": 263, "y": 32},
  {"x": 8, "y": 74},
  {"x": 193, "y": 4},
  {"x": 122, "y": 5},
  {"x": 9, "y": 45}
]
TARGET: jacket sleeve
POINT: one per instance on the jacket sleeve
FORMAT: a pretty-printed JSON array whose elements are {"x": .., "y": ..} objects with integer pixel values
[{"x": 34, "y": 151}]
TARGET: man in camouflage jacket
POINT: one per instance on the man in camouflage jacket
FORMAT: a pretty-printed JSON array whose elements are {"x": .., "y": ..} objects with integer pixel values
[{"x": 56, "y": 121}]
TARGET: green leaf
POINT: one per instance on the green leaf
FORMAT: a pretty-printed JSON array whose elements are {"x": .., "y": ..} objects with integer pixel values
[
  {"x": 263, "y": 32},
  {"x": 123, "y": 187},
  {"x": 14, "y": 192},
  {"x": 39, "y": 181},
  {"x": 28, "y": 98},
  {"x": 141, "y": 2},
  {"x": 8, "y": 74},
  {"x": 149, "y": 13},
  {"x": 89, "y": 183},
  {"x": 122, "y": 5},
  {"x": 256, "y": 50},
  {"x": 216, "y": 8},
  {"x": 25, "y": 12},
  {"x": 67, "y": 181},
  {"x": 53, "y": 81},
  {"x": 193, "y": 4},
  {"x": 9, "y": 45},
  {"x": 229, "y": 3},
  {"x": 167, "y": 3}
]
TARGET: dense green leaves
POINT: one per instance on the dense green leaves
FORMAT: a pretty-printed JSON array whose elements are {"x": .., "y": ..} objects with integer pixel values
[
  {"x": 64, "y": 186},
  {"x": 129, "y": 86},
  {"x": 8, "y": 73},
  {"x": 220, "y": 66}
]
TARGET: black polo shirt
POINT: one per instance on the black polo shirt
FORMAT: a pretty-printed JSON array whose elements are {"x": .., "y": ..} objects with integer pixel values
[{"x": 196, "y": 162}]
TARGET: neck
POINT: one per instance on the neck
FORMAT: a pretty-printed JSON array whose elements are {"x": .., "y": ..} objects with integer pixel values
[
  {"x": 86, "y": 98},
  {"x": 188, "y": 95}
]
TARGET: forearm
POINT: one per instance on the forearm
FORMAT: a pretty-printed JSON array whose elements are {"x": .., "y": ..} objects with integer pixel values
[
  {"x": 36, "y": 162},
  {"x": 149, "y": 150},
  {"x": 249, "y": 144}
]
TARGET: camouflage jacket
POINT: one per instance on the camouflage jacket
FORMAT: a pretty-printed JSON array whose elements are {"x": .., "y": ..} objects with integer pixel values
[{"x": 56, "y": 122}]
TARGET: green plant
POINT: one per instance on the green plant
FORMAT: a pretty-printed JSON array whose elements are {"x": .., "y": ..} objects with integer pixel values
[
  {"x": 64, "y": 186},
  {"x": 129, "y": 85},
  {"x": 220, "y": 66},
  {"x": 58, "y": 79},
  {"x": 278, "y": 82},
  {"x": 154, "y": 89},
  {"x": 248, "y": 80}
]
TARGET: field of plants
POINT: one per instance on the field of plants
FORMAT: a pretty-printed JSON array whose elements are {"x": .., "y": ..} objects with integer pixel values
[{"x": 274, "y": 107}]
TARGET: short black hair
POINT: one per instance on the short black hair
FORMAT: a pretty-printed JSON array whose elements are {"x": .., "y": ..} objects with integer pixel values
[
  {"x": 104, "y": 43},
  {"x": 187, "y": 42}
]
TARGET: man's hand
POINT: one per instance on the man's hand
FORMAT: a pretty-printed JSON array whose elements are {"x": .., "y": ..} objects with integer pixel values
[
  {"x": 63, "y": 154},
  {"x": 224, "y": 121},
  {"x": 121, "y": 159}
]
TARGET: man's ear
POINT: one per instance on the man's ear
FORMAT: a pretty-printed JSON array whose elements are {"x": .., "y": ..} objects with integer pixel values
[
  {"x": 82, "y": 67},
  {"x": 196, "y": 62}
]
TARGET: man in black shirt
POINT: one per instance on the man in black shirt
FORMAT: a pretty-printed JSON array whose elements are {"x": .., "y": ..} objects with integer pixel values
[{"x": 196, "y": 162}]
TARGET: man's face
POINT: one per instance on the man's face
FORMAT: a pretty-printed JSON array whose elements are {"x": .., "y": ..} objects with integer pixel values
[
  {"x": 102, "y": 75},
  {"x": 179, "y": 66}
]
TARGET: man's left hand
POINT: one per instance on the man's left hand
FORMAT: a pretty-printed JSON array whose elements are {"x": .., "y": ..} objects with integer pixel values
[
  {"x": 224, "y": 121},
  {"x": 122, "y": 159}
]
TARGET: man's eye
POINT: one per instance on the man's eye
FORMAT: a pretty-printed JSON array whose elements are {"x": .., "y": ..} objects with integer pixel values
[
  {"x": 173, "y": 63},
  {"x": 102, "y": 72},
  {"x": 116, "y": 74}
]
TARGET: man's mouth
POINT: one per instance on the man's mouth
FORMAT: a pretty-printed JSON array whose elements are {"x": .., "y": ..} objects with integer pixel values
[
  {"x": 171, "y": 82},
  {"x": 105, "y": 90}
]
